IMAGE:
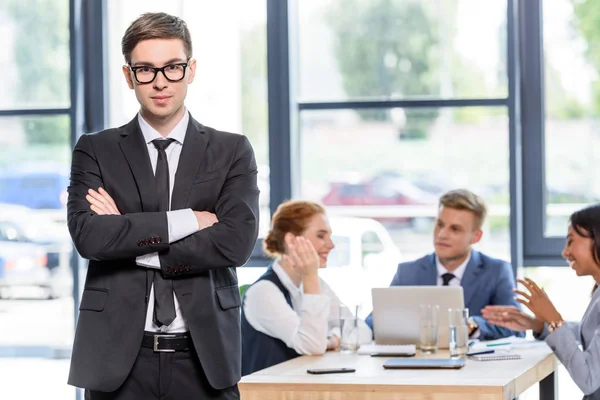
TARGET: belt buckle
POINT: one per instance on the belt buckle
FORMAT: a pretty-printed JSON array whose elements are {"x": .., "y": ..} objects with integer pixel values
[{"x": 156, "y": 349}]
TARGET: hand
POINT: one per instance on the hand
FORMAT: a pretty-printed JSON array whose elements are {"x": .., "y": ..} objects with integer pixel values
[
  {"x": 512, "y": 318},
  {"x": 537, "y": 301},
  {"x": 205, "y": 219},
  {"x": 101, "y": 203},
  {"x": 333, "y": 343},
  {"x": 302, "y": 255}
]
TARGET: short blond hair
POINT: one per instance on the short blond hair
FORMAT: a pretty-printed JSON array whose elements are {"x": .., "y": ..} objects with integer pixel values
[{"x": 463, "y": 199}]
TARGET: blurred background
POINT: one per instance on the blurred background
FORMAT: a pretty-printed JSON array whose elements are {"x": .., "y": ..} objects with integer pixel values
[{"x": 372, "y": 107}]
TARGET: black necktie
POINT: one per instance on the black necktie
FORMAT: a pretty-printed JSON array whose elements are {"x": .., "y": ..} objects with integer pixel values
[
  {"x": 164, "y": 305},
  {"x": 446, "y": 278}
]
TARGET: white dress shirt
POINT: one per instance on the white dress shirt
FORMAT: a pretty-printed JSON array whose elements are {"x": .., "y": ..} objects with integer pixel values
[
  {"x": 305, "y": 327},
  {"x": 458, "y": 272},
  {"x": 181, "y": 223}
]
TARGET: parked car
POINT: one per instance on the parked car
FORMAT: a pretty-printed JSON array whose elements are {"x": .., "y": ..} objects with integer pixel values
[
  {"x": 23, "y": 265},
  {"x": 381, "y": 190},
  {"x": 22, "y": 225},
  {"x": 364, "y": 257}
]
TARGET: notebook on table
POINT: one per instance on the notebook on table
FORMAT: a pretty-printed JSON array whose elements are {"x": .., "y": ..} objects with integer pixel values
[
  {"x": 495, "y": 357},
  {"x": 424, "y": 363},
  {"x": 367, "y": 349}
]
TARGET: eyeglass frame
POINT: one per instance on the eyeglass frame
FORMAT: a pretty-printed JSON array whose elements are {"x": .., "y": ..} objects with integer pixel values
[{"x": 156, "y": 71}]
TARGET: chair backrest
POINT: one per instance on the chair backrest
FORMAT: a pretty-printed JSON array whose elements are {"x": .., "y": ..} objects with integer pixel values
[{"x": 243, "y": 289}]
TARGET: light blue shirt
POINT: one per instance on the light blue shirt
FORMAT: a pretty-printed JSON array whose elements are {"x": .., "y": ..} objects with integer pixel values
[{"x": 181, "y": 223}]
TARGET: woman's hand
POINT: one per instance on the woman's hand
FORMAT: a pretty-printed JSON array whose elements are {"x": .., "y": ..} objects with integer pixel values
[
  {"x": 333, "y": 343},
  {"x": 303, "y": 256},
  {"x": 512, "y": 318},
  {"x": 537, "y": 301},
  {"x": 305, "y": 260}
]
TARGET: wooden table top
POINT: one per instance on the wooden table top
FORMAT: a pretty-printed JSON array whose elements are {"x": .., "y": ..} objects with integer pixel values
[{"x": 504, "y": 379}]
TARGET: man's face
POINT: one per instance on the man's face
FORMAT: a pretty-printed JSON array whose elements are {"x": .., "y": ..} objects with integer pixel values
[
  {"x": 161, "y": 98},
  {"x": 454, "y": 233}
]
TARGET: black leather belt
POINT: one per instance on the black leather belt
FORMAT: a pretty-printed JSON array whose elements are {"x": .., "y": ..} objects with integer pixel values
[{"x": 167, "y": 343}]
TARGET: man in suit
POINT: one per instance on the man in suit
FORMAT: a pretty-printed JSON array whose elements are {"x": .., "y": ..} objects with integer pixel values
[
  {"x": 165, "y": 209},
  {"x": 485, "y": 280}
]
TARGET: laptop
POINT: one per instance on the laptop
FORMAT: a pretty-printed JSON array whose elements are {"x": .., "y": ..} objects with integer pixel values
[
  {"x": 396, "y": 312},
  {"x": 427, "y": 363}
]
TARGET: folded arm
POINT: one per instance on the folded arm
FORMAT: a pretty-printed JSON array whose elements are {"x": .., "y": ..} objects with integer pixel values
[
  {"x": 107, "y": 237},
  {"x": 583, "y": 366},
  {"x": 230, "y": 241}
]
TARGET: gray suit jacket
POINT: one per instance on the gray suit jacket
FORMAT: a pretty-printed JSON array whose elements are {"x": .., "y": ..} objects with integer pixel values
[
  {"x": 216, "y": 173},
  {"x": 486, "y": 281},
  {"x": 583, "y": 364}
]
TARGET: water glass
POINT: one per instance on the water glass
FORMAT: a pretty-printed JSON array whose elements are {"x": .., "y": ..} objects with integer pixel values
[
  {"x": 428, "y": 328},
  {"x": 349, "y": 331},
  {"x": 458, "y": 331}
]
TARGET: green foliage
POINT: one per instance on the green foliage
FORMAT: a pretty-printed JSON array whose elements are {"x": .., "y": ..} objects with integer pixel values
[
  {"x": 41, "y": 52},
  {"x": 387, "y": 49},
  {"x": 254, "y": 89},
  {"x": 587, "y": 14}
]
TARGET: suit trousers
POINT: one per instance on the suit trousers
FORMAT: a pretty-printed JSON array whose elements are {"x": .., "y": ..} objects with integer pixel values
[{"x": 166, "y": 376}]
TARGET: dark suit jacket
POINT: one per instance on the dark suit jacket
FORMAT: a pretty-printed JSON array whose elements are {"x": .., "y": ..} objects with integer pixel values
[
  {"x": 486, "y": 281},
  {"x": 216, "y": 173}
]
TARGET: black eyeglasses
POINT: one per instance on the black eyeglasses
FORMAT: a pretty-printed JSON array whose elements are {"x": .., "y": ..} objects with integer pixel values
[{"x": 172, "y": 72}]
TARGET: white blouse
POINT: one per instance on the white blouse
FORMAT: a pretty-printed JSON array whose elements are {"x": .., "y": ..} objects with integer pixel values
[{"x": 305, "y": 327}]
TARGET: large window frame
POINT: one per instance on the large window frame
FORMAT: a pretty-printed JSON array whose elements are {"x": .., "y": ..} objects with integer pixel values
[{"x": 284, "y": 109}]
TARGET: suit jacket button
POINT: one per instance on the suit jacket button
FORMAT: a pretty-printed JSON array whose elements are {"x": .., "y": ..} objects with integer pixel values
[
  {"x": 140, "y": 243},
  {"x": 146, "y": 242},
  {"x": 152, "y": 240},
  {"x": 158, "y": 239}
]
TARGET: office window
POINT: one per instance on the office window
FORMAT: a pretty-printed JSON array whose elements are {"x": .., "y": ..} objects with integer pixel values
[
  {"x": 34, "y": 62},
  {"x": 572, "y": 90},
  {"x": 382, "y": 49},
  {"x": 229, "y": 91},
  {"x": 360, "y": 165},
  {"x": 36, "y": 283}
]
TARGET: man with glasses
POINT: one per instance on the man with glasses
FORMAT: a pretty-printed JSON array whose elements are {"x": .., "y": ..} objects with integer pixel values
[{"x": 164, "y": 208}]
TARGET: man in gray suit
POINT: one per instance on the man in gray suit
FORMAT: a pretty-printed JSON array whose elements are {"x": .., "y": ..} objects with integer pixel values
[
  {"x": 165, "y": 209},
  {"x": 485, "y": 280}
]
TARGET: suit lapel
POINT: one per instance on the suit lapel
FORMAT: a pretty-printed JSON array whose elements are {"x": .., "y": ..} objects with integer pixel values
[
  {"x": 192, "y": 155},
  {"x": 428, "y": 274},
  {"x": 136, "y": 153},
  {"x": 469, "y": 279}
]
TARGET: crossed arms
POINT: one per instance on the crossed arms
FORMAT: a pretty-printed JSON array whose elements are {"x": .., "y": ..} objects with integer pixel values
[{"x": 223, "y": 239}]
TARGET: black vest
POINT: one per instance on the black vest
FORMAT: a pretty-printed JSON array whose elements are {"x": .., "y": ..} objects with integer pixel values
[{"x": 260, "y": 351}]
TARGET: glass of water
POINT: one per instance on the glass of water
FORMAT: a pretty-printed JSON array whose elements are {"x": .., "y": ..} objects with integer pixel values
[
  {"x": 458, "y": 331},
  {"x": 349, "y": 330},
  {"x": 428, "y": 329}
]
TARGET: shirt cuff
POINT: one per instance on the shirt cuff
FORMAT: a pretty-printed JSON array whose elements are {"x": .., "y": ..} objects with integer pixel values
[
  {"x": 182, "y": 223},
  {"x": 335, "y": 332},
  {"x": 543, "y": 334},
  {"x": 148, "y": 261}
]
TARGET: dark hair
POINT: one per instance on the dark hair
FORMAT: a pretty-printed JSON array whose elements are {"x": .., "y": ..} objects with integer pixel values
[
  {"x": 155, "y": 26},
  {"x": 586, "y": 222},
  {"x": 291, "y": 216}
]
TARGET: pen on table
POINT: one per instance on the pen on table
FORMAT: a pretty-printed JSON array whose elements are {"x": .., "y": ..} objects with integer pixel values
[
  {"x": 476, "y": 353},
  {"x": 497, "y": 344}
]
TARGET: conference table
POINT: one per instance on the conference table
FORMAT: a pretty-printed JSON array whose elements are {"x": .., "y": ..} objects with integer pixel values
[{"x": 477, "y": 380}]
